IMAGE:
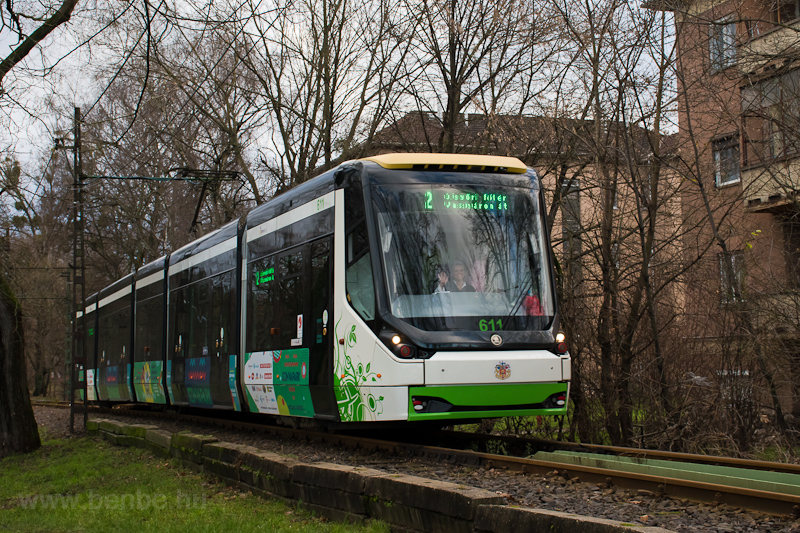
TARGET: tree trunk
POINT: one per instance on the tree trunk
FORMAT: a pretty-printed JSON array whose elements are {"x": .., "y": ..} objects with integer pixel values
[{"x": 18, "y": 431}]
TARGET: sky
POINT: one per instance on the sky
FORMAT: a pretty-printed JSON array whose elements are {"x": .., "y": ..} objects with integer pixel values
[{"x": 26, "y": 111}]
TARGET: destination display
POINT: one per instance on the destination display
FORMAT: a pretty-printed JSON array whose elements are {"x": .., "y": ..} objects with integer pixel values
[
  {"x": 264, "y": 276},
  {"x": 449, "y": 199}
]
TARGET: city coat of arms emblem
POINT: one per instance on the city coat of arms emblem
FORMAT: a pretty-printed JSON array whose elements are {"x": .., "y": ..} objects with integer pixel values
[{"x": 502, "y": 370}]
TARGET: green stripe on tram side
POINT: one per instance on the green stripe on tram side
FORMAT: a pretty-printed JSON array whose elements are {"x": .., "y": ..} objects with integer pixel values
[
  {"x": 489, "y": 401},
  {"x": 782, "y": 482}
]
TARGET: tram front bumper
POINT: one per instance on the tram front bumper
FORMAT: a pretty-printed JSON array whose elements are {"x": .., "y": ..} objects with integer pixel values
[{"x": 467, "y": 402}]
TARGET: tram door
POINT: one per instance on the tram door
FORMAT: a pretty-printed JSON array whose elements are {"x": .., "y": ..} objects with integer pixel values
[
  {"x": 289, "y": 355},
  {"x": 301, "y": 332},
  {"x": 320, "y": 336}
]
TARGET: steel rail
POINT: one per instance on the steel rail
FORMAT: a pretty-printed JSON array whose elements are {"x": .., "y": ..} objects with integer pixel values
[
  {"x": 756, "y": 500},
  {"x": 752, "y": 464},
  {"x": 57, "y": 404},
  {"x": 543, "y": 444}
]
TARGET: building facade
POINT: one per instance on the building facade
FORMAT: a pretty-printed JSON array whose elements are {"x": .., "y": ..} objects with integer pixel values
[{"x": 738, "y": 69}]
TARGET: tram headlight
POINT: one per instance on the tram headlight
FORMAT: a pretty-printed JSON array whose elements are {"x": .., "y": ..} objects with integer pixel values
[
  {"x": 561, "y": 344},
  {"x": 398, "y": 345}
]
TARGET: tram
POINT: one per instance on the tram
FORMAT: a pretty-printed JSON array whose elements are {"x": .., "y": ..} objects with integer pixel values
[{"x": 398, "y": 288}]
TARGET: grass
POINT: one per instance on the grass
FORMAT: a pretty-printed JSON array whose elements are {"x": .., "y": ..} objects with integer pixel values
[
  {"x": 85, "y": 485},
  {"x": 780, "y": 454}
]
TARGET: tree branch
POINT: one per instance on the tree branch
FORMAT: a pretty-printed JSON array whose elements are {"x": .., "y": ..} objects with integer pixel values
[{"x": 59, "y": 17}]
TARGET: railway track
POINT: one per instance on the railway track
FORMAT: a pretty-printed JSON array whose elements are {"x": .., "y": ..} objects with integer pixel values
[
  {"x": 762, "y": 486},
  {"x": 56, "y": 404},
  {"x": 517, "y": 446}
]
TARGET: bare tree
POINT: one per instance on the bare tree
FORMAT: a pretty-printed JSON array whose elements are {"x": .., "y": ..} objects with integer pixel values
[
  {"x": 619, "y": 214},
  {"x": 327, "y": 70},
  {"x": 467, "y": 54},
  {"x": 18, "y": 431},
  {"x": 736, "y": 157}
]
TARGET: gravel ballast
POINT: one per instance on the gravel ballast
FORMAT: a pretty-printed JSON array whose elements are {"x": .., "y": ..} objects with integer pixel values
[{"x": 552, "y": 492}]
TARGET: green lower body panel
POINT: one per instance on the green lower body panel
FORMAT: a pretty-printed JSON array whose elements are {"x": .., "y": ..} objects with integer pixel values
[{"x": 462, "y": 402}]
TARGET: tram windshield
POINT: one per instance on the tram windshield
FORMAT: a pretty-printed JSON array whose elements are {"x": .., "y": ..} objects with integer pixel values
[{"x": 464, "y": 257}]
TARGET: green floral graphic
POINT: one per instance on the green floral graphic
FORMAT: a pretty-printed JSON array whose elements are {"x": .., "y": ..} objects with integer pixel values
[{"x": 355, "y": 404}]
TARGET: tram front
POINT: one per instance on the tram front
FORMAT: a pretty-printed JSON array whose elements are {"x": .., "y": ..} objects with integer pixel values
[{"x": 463, "y": 284}]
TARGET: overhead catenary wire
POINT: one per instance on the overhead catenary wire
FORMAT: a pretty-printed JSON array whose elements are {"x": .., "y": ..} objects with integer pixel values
[
  {"x": 191, "y": 96},
  {"x": 157, "y": 10},
  {"x": 196, "y": 89}
]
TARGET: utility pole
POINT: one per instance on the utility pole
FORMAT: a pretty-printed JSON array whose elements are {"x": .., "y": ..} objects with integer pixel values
[{"x": 78, "y": 361}]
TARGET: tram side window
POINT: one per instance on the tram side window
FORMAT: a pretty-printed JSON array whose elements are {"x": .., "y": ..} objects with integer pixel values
[
  {"x": 220, "y": 327},
  {"x": 201, "y": 304},
  {"x": 320, "y": 253},
  {"x": 259, "y": 305},
  {"x": 358, "y": 274},
  {"x": 216, "y": 319},
  {"x": 141, "y": 332},
  {"x": 88, "y": 340},
  {"x": 102, "y": 343},
  {"x": 190, "y": 338},
  {"x": 149, "y": 324},
  {"x": 289, "y": 299},
  {"x": 123, "y": 335},
  {"x": 156, "y": 319},
  {"x": 224, "y": 310},
  {"x": 181, "y": 313},
  {"x": 360, "y": 285},
  {"x": 114, "y": 337},
  {"x": 193, "y": 326}
]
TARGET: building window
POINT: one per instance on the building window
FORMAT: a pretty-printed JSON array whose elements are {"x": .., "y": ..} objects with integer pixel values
[
  {"x": 726, "y": 160},
  {"x": 731, "y": 275},
  {"x": 791, "y": 243},
  {"x": 771, "y": 118},
  {"x": 615, "y": 254},
  {"x": 784, "y": 11},
  {"x": 571, "y": 232},
  {"x": 646, "y": 188},
  {"x": 722, "y": 40},
  {"x": 753, "y": 28},
  {"x": 781, "y": 128}
]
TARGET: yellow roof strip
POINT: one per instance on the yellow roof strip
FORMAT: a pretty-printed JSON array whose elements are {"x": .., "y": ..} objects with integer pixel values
[{"x": 432, "y": 161}]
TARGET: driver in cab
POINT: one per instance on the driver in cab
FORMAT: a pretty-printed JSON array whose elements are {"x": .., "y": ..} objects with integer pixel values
[{"x": 457, "y": 283}]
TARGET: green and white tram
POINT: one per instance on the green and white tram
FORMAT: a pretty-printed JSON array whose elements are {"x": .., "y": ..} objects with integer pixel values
[{"x": 396, "y": 288}]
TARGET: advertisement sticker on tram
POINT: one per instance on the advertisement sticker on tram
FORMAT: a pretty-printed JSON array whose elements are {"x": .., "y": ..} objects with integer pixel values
[{"x": 277, "y": 382}]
